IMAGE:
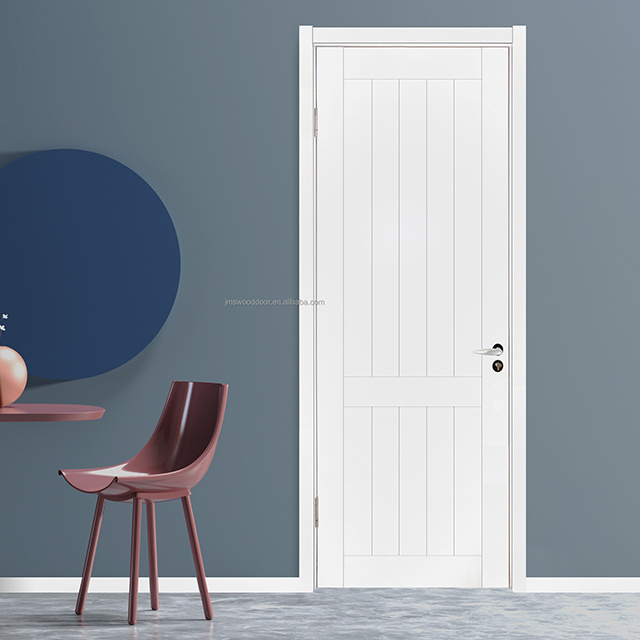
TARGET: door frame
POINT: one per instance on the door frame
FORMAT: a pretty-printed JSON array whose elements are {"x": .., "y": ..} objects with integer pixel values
[{"x": 513, "y": 38}]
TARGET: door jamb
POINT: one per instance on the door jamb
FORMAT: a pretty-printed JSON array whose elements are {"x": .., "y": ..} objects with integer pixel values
[{"x": 515, "y": 39}]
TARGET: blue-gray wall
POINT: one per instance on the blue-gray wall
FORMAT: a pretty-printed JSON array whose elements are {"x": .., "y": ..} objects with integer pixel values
[{"x": 200, "y": 98}]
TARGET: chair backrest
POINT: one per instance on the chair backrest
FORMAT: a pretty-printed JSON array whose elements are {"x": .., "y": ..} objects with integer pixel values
[{"x": 187, "y": 432}]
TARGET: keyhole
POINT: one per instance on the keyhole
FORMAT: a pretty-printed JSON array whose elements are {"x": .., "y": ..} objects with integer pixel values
[{"x": 497, "y": 366}]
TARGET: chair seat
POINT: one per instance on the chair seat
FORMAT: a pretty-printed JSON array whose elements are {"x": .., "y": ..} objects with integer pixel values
[
  {"x": 121, "y": 484},
  {"x": 88, "y": 480}
]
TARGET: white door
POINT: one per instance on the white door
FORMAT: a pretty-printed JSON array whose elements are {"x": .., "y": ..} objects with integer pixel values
[{"x": 412, "y": 263}]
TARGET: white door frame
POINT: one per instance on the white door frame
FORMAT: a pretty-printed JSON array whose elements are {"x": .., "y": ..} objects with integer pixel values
[{"x": 513, "y": 38}]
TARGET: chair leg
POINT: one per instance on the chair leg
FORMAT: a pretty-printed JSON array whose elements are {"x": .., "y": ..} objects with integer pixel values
[
  {"x": 197, "y": 557},
  {"x": 153, "y": 554},
  {"x": 91, "y": 554},
  {"x": 135, "y": 561}
]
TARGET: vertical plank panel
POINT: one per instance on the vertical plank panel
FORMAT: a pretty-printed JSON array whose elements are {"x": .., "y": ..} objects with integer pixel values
[
  {"x": 330, "y": 316},
  {"x": 385, "y": 481},
  {"x": 413, "y": 227},
  {"x": 495, "y": 314},
  {"x": 468, "y": 481},
  {"x": 468, "y": 226},
  {"x": 357, "y": 481},
  {"x": 440, "y": 222},
  {"x": 385, "y": 227},
  {"x": 413, "y": 481},
  {"x": 440, "y": 488},
  {"x": 357, "y": 228}
]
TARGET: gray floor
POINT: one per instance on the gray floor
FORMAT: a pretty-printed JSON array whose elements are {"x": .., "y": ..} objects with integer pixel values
[{"x": 433, "y": 614}]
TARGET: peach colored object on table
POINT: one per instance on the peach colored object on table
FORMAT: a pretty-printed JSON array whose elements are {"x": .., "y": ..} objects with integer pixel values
[
  {"x": 13, "y": 376},
  {"x": 175, "y": 459},
  {"x": 49, "y": 412}
]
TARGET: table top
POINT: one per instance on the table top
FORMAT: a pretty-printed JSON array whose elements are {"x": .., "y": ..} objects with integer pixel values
[{"x": 49, "y": 412}]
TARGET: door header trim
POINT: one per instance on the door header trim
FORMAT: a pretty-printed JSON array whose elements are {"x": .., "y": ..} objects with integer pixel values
[{"x": 406, "y": 36}]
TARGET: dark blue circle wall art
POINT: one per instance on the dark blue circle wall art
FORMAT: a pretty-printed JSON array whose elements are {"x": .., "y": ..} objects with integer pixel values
[{"x": 89, "y": 262}]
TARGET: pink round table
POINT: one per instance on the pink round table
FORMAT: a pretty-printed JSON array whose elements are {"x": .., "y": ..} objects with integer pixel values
[{"x": 49, "y": 412}]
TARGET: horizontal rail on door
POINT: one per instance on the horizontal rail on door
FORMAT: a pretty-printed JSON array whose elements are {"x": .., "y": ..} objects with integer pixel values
[{"x": 412, "y": 392}]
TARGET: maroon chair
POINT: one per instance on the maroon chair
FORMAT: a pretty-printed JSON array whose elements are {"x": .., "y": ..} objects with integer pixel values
[{"x": 175, "y": 459}]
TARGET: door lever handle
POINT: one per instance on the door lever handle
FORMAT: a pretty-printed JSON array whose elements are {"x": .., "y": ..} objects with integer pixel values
[{"x": 494, "y": 352}]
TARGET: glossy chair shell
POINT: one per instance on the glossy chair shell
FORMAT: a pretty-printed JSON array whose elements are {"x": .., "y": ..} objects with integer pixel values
[
  {"x": 177, "y": 455},
  {"x": 173, "y": 461}
]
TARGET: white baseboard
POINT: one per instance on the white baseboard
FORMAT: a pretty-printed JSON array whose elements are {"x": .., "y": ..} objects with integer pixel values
[
  {"x": 166, "y": 585},
  {"x": 579, "y": 585},
  {"x": 289, "y": 585}
]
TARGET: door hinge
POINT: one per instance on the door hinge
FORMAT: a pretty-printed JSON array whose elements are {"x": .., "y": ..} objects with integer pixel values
[
  {"x": 315, "y": 122},
  {"x": 316, "y": 510}
]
